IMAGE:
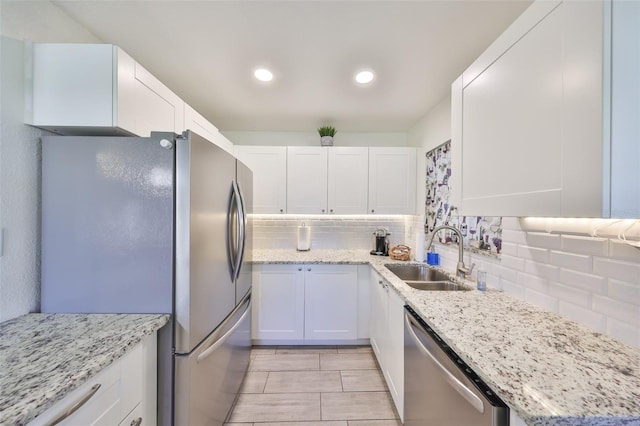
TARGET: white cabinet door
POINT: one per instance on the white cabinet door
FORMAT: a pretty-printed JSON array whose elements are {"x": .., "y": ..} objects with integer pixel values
[
  {"x": 364, "y": 301},
  {"x": 331, "y": 302},
  {"x": 379, "y": 315},
  {"x": 198, "y": 124},
  {"x": 395, "y": 358},
  {"x": 306, "y": 180},
  {"x": 348, "y": 176},
  {"x": 387, "y": 337},
  {"x": 278, "y": 302},
  {"x": 539, "y": 125},
  {"x": 94, "y": 89},
  {"x": 269, "y": 166},
  {"x": 392, "y": 180}
]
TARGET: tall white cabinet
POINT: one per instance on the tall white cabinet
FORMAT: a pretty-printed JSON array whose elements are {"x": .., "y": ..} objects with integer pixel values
[
  {"x": 307, "y": 180},
  {"x": 545, "y": 121},
  {"x": 269, "y": 166}
]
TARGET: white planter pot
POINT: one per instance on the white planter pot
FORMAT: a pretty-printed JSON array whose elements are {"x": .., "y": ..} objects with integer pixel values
[{"x": 326, "y": 141}]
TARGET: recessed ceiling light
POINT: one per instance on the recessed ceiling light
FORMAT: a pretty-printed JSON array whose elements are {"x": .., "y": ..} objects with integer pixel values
[
  {"x": 364, "y": 77},
  {"x": 263, "y": 74}
]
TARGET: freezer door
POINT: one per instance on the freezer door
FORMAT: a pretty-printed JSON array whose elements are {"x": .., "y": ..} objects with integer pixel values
[
  {"x": 205, "y": 292},
  {"x": 107, "y": 224},
  {"x": 245, "y": 186},
  {"x": 208, "y": 380}
]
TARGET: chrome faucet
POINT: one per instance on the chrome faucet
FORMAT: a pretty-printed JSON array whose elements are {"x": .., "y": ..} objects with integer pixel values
[{"x": 461, "y": 270}]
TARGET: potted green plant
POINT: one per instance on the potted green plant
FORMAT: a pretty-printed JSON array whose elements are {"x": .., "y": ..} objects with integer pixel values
[{"x": 326, "y": 135}]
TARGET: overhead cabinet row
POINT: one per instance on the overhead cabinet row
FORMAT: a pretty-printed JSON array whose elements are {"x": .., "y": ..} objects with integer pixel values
[
  {"x": 331, "y": 180},
  {"x": 98, "y": 89}
]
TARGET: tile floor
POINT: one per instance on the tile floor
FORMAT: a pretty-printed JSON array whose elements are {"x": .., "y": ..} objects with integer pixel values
[{"x": 314, "y": 386}]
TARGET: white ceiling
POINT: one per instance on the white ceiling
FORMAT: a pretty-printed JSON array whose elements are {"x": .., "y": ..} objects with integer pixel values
[{"x": 206, "y": 51}]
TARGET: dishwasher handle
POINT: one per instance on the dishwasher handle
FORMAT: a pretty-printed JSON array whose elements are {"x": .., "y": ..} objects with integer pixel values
[{"x": 456, "y": 384}]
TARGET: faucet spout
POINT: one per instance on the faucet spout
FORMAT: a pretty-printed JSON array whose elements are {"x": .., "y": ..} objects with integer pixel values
[{"x": 461, "y": 270}]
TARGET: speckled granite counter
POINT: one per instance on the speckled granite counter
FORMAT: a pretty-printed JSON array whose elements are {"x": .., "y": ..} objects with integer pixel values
[
  {"x": 44, "y": 356},
  {"x": 548, "y": 369}
]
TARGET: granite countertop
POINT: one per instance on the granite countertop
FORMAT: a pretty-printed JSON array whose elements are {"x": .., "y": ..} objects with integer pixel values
[
  {"x": 45, "y": 356},
  {"x": 550, "y": 370}
]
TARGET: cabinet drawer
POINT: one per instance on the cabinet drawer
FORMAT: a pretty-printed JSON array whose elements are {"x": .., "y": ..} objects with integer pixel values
[{"x": 105, "y": 399}]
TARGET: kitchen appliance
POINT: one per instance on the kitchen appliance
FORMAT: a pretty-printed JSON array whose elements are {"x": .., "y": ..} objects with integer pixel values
[
  {"x": 440, "y": 388},
  {"x": 156, "y": 225},
  {"x": 381, "y": 242}
]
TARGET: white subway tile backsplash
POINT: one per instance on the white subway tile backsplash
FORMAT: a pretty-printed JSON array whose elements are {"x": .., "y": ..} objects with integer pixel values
[
  {"x": 585, "y": 245},
  {"x": 540, "y": 269},
  {"x": 537, "y": 254},
  {"x": 541, "y": 300},
  {"x": 588, "y": 282},
  {"x": 613, "y": 308},
  {"x": 578, "y": 262},
  {"x": 533, "y": 282},
  {"x": 513, "y": 236},
  {"x": 509, "y": 248},
  {"x": 624, "y": 332},
  {"x": 512, "y": 262},
  {"x": 618, "y": 269},
  {"x": 624, "y": 251},
  {"x": 582, "y": 315},
  {"x": 624, "y": 292},
  {"x": 511, "y": 223},
  {"x": 570, "y": 294},
  {"x": 515, "y": 290},
  {"x": 543, "y": 240}
]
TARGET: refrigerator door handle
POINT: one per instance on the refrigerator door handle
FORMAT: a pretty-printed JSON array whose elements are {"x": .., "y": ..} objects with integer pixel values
[
  {"x": 232, "y": 237},
  {"x": 242, "y": 228},
  {"x": 239, "y": 236},
  {"x": 220, "y": 341}
]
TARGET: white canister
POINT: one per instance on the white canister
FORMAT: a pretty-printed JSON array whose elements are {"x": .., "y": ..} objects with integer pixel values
[
  {"x": 304, "y": 238},
  {"x": 419, "y": 251}
]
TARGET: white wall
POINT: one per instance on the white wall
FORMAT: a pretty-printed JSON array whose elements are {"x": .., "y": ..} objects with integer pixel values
[
  {"x": 20, "y": 151},
  {"x": 313, "y": 139}
]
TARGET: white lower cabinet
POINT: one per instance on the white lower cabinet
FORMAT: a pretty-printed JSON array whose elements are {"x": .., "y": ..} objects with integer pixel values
[
  {"x": 387, "y": 337},
  {"x": 297, "y": 303},
  {"x": 124, "y": 393}
]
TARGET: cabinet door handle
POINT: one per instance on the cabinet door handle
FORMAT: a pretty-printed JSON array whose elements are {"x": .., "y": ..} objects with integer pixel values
[
  {"x": 299, "y": 269},
  {"x": 281, "y": 210},
  {"x": 309, "y": 269},
  {"x": 136, "y": 422},
  {"x": 331, "y": 211},
  {"x": 77, "y": 405},
  {"x": 322, "y": 210},
  {"x": 372, "y": 210}
]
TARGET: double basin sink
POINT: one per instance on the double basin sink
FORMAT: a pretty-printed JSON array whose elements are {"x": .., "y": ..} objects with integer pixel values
[{"x": 422, "y": 277}]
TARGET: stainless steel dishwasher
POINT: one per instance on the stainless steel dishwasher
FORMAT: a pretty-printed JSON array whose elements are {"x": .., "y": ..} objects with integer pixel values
[{"x": 440, "y": 389}]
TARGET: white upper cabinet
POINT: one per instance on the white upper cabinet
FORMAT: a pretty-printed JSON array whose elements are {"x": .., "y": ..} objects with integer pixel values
[
  {"x": 392, "y": 180},
  {"x": 195, "y": 122},
  {"x": 348, "y": 174},
  {"x": 307, "y": 180},
  {"x": 269, "y": 166},
  {"x": 93, "y": 89},
  {"x": 545, "y": 121}
]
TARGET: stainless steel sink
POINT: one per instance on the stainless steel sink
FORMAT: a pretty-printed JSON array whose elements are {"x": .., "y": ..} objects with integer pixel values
[
  {"x": 422, "y": 277},
  {"x": 417, "y": 273}
]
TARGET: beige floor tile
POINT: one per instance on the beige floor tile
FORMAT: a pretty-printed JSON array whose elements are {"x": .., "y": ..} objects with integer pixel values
[
  {"x": 283, "y": 407},
  {"x": 254, "y": 382},
  {"x": 262, "y": 350},
  {"x": 374, "y": 423},
  {"x": 303, "y": 381},
  {"x": 338, "y": 423},
  {"x": 354, "y": 349},
  {"x": 293, "y": 362},
  {"x": 362, "y": 380},
  {"x": 306, "y": 350},
  {"x": 355, "y": 361},
  {"x": 357, "y": 406}
]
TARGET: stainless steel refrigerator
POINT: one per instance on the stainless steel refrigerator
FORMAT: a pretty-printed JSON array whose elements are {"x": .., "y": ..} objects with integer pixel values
[{"x": 156, "y": 225}]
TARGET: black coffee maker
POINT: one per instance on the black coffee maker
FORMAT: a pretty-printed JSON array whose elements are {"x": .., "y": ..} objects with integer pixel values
[{"x": 382, "y": 242}]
